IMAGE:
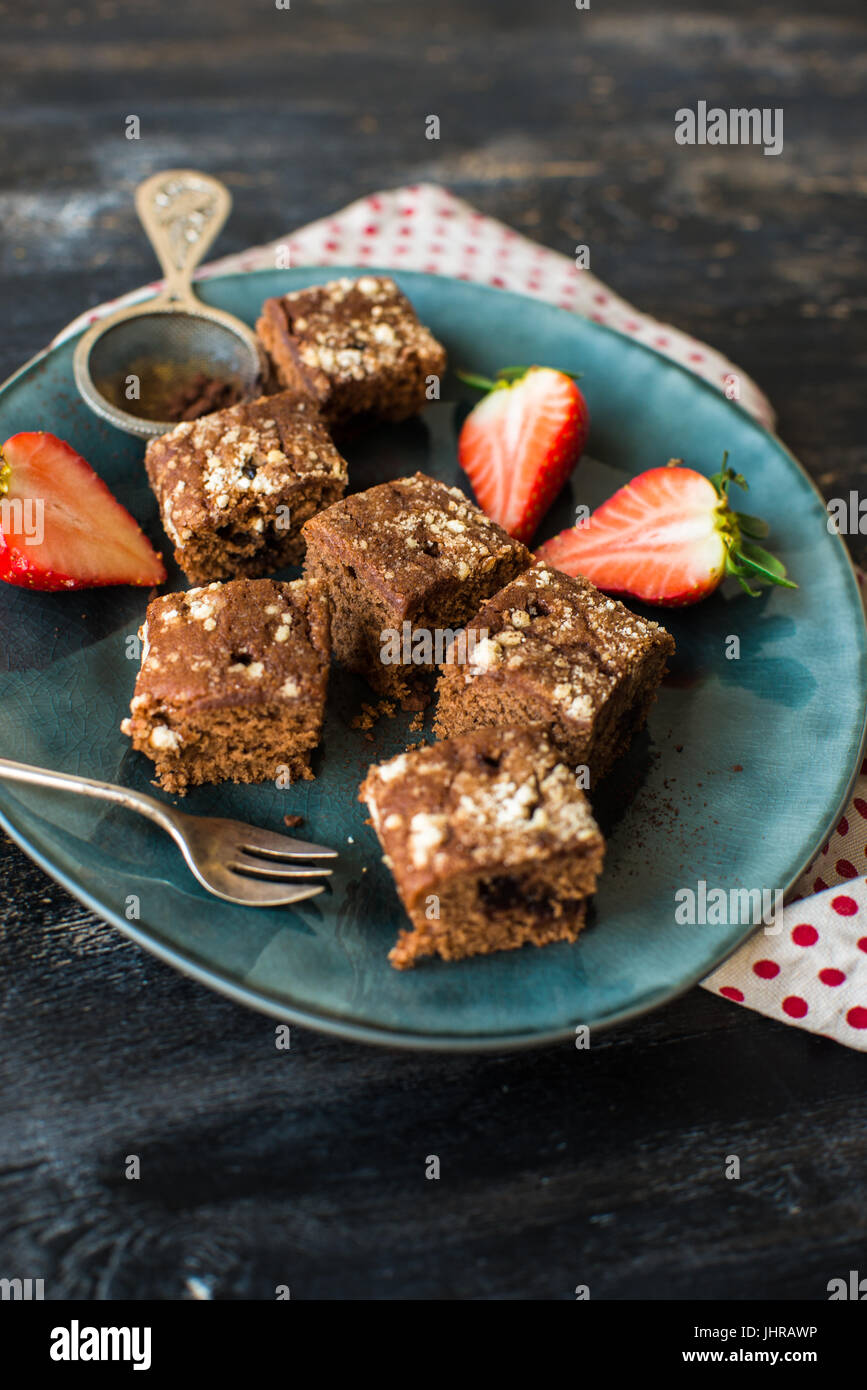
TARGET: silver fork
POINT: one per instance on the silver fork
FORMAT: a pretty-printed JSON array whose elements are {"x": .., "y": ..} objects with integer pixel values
[{"x": 238, "y": 862}]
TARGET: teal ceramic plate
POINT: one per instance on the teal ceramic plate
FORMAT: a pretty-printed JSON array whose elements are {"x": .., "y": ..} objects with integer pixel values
[{"x": 744, "y": 768}]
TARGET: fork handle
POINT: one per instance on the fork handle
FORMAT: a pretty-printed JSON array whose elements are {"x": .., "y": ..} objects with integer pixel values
[{"x": 87, "y": 786}]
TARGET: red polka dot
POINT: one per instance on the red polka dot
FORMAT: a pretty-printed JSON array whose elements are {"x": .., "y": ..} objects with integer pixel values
[
  {"x": 857, "y": 1018},
  {"x": 498, "y": 280},
  {"x": 365, "y": 250},
  {"x": 371, "y": 230},
  {"x": 847, "y": 907},
  {"x": 819, "y": 885},
  {"x": 862, "y": 944},
  {"x": 794, "y": 1006},
  {"x": 696, "y": 357},
  {"x": 471, "y": 250},
  {"x": 600, "y": 298},
  {"x": 843, "y": 827},
  {"x": 832, "y": 977},
  {"x": 860, "y": 806},
  {"x": 864, "y": 768},
  {"x": 824, "y": 849},
  {"x": 331, "y": 245},
  {"x": 766, "y": 969},
  {"x": 846, "y": 869},
  {"x": 632, "y": 326},
  {"x": 731, "y": 993},
  {"x": 661, "y": 342},
  {"x": 407, "y": 212},
  {"x": 431, "y": 268},
  {"x": 805, "y": 935}
]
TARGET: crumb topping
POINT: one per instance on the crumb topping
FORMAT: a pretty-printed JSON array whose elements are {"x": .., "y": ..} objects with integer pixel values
[
  {"x": 426, "y": 833},
  {"x": 243, "y": 643},
  {"x": 240, "y": 464},
  {"x": 563, "y": 637},
  {"x": 414, "y": 533},
  {"x": 494, "y": 798},
  {"x": 353, "y": 329}
]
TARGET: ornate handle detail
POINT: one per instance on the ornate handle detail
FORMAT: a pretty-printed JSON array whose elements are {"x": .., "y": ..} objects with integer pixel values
[{"x": 182, "y": 211}]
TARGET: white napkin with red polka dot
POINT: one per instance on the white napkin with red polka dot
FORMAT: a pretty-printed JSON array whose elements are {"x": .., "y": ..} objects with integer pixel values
[{"x": 813, "y": 971}]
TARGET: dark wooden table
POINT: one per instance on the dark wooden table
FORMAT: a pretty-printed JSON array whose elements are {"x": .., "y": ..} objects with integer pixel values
[{"x": 559, "y": 1167}]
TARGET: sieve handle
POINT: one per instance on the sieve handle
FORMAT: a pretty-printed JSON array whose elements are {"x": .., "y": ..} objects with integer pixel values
[{"x": 182, "y": 211}]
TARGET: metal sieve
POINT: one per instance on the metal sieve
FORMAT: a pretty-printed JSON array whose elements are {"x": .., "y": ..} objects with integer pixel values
[{"x": 130, "y": 365}]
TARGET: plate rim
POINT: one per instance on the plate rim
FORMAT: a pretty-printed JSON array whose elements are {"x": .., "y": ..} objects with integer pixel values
[{"x": 379, "y": 1035}]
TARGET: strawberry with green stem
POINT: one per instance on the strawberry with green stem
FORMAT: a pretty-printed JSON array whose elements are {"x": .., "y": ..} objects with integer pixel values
[{"x": 669, "y": 537}]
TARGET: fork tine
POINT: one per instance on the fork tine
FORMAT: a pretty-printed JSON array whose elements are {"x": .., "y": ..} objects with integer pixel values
[
  {"x": 274, "y": 868},
  {"x": 266, "y": 842},
  {"x": 260, "y": 892},
  {"x": 254, "y": 892}
]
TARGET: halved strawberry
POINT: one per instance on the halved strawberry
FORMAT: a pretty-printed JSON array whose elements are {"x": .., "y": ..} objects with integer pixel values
[
  {"x": 669, "y": 537},
  {"x": 60, "y": 527},
  {"x": 519, "y": 445}
]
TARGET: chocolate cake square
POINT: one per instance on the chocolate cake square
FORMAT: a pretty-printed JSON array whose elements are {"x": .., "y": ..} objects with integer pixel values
[
  {"x": 234, "y": 488},
  {"x": 356, "y": 346},
  {"x": 555, "y": 652},
  {"x": 405, "y": 564},
  {"x": 491, "y": 842},
  {"x": 232, "y": 682}
]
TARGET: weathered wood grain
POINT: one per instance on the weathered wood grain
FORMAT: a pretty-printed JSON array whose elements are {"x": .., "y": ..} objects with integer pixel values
[{"x": 262, "y": 1167}]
